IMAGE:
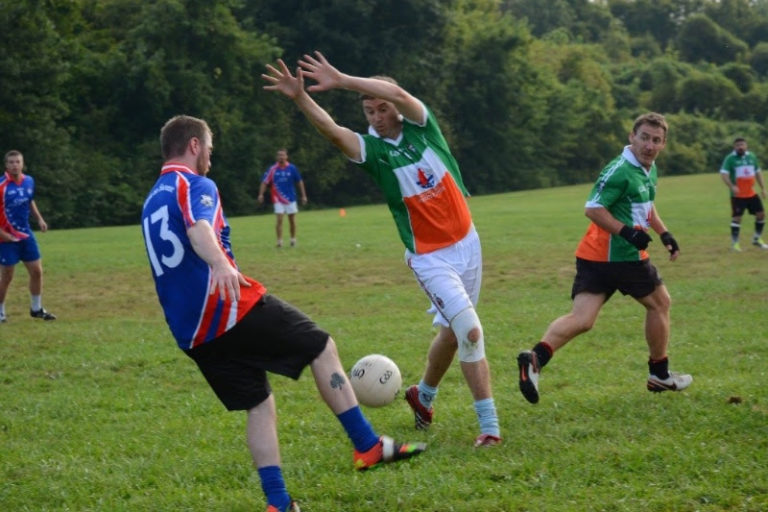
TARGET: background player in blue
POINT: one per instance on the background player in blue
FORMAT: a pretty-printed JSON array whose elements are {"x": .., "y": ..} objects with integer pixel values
[
  {"x": 229, "y": 325},
  {"x": 17, "y": 242},
  {"x": 283, "y": 177}
]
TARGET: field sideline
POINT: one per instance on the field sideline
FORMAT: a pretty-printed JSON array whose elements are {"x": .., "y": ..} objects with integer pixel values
[{"x": 100, "y": 412}]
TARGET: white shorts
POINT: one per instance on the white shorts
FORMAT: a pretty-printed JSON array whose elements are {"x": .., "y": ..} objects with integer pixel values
[
  {"x": 289, "y": 208},
  {"x": 450, "y": 276}
]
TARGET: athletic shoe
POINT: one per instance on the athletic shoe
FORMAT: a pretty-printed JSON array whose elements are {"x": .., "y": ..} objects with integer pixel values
[
  {"x": 675, "y": 382},
  {"x": 528, "y": 363},
  {"x": 2, "y": 319},
  {"x": 487, "y": 440},
  {"x": 758, "y": 242},
  {"x": 386, "y": 450},
  {"x": 293, "y": 508},
  {"x": 293, "y": 242},
  {"x": 42, "y": 313},
  {"x": 421, "y": 415},
  {"x": 736, "y": 247}
]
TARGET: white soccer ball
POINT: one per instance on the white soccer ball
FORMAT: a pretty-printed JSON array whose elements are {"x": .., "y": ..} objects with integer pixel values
[{"x": 376, "y": 380}]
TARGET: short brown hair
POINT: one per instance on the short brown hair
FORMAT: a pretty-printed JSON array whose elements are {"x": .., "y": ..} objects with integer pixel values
[
  {"x": 384, "y": 78},
  {"x": 653, "y": 119},
  {"x": 13, "y": 152},
  {"x": 178, "y": 131}
]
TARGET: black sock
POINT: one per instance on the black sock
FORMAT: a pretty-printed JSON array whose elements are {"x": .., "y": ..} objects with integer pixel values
[
  {"x": 659, "y": 368},
  {"x": 735, "y": 228},
  {"x": 759, "y": 224},
  {"x": 543, "y": 352}
]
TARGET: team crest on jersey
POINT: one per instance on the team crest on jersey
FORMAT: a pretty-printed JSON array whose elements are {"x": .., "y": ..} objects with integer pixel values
[
  {"x": 425, "y": 180},
  {"x": 206, "y": 200}
]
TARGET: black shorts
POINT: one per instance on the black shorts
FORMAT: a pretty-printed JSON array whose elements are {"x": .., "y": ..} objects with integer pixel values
[
  {"x": 752, "y": 204},
  {"x": 273, "y": 336},
  {"x": 635, "y": 278}
]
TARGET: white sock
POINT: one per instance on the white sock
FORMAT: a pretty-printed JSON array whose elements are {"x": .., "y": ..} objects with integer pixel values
[
  {"x": 2, "y": 308},
  {"x": 37, "y": 302}
]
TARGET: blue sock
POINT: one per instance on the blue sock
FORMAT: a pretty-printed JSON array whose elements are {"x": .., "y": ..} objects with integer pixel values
[
  {"x": 486, "y": 415},
  {"x": 427, "y": 394},
  {"x": 358, "y": 429},
  {"x": 273, "y": 485}
]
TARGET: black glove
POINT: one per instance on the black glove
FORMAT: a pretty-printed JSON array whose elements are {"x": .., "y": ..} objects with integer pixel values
[
  {"x": 636, "y": 237},
  {"x": 668, "y": 239}
]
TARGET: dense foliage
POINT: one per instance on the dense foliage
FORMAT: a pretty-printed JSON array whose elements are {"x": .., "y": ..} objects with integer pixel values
[{"x": 529, "y": 93}]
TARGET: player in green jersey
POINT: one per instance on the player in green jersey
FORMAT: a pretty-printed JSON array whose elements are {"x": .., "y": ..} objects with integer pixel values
[
  {"x": 612, "y": 256},
  {"x": 407, "y": 156},
  {"x": 739, "y": 172}
]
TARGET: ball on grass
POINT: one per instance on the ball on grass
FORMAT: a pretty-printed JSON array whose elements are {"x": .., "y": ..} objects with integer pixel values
[{"x": 376, "y": 380}]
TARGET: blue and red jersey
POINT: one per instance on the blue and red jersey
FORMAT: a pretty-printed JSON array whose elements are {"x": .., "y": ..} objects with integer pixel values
[
  {"x": 15, "y": 200},
  {"x": 283, "y": 180},
  {"x": 179, "y": 199}
]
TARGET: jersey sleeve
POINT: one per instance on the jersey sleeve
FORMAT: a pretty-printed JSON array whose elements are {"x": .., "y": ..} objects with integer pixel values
[
  {"x": 725, "y": 167},
  {"x": 203, "y": 202},
  {"x": 610, "y": 186}
]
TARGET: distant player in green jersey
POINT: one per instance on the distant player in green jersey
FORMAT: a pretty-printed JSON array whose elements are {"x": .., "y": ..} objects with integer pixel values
[
  {"x": 612, "y": 256},
  {"x": 407, "y": 156},
  {"x": 739, "y": 171}
]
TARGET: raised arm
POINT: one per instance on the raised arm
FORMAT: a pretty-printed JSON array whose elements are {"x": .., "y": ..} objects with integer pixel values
[
  {"x": 281, "y": 80},
  {"x": 328, "y": 77}
]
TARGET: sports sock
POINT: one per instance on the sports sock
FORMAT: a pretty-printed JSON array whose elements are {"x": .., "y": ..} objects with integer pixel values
[
  {"x": 759, "y": 225},
  {"x": 2, "y": 308},
  {"x": 427, "y": 394},
  {"x": 543, "y": 352},
  {"x": 273, "y": 485},
  {"x": 659, "y": 367},
  {"x": 358, "y": 429},
  {"x": 36, "y": 302},
  {"x": 735, "y": 228},
  {"x": 486, "y": 416}
]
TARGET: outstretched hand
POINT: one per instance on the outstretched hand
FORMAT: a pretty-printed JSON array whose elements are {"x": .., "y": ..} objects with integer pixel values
[
  {"x": 283, "y": 81},
  {"x": 320, "y": 70}
]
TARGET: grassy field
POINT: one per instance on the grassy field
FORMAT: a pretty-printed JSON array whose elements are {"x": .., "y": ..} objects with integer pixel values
[{"x": 99, "y": 411}]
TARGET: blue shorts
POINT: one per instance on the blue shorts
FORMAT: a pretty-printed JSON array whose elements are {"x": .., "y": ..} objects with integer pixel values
[{"x": 23, "y": 250}]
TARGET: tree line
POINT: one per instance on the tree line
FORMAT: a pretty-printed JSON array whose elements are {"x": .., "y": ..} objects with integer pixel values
[{"x": 529, "y": 94}]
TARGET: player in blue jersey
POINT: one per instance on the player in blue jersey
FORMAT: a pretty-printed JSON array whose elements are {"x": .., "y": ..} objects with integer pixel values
[
  {"x": 283, "y": 177},
  {"x": 229, "y": 325},
  {"x": 17, "y": 242}
]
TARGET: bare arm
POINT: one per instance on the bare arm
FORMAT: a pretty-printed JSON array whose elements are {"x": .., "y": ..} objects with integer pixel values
[
  {"x": 303, "y": 192},
  {"x": 659, "y": 227},
  {"x": 38, "y": 217},
  {"x": 281, "y": 80},
  {"x": 728, "y": 183},
  {"x": 603, "y": 218},
  {"x": 328, "y": 77},
  {"x": 226, "y": 278},
  {"x": 759, "y": 178},
  {"x": 262, "y": 189}
]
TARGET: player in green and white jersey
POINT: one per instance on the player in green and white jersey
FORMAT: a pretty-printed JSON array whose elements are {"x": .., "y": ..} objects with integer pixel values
[
  {"x": 406, "y": 154},
  {"x": 739, "y": 171},
  {"x": 612, "y": 256}
]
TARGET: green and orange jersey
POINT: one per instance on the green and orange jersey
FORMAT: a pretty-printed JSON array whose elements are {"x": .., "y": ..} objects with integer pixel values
[
  {"x": 627, "y": 191},
  {"x": 422, "y": 184},
  {"x": 742, "y": 171}
]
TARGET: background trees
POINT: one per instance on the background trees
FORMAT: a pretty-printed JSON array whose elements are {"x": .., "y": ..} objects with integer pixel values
[{"x": 529, "y": 93}]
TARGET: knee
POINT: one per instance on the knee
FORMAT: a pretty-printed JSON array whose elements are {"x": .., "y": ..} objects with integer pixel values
[{"x": 581, "y": 324}]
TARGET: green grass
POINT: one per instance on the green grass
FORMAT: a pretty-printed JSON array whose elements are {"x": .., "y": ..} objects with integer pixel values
[{"x": 99, "y": 411}]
